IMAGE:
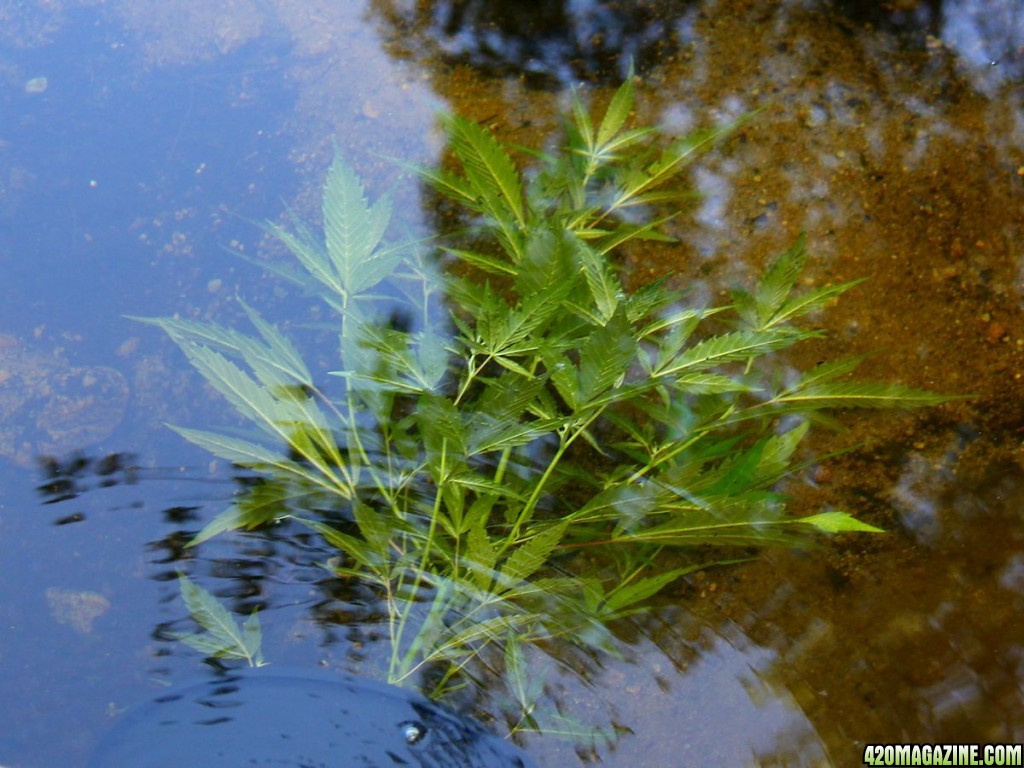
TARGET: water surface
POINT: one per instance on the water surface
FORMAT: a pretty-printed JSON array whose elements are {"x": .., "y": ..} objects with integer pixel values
[{"x": 165, "y": 131}]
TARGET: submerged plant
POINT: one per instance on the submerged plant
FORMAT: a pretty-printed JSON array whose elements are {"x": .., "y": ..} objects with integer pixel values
[
  {"x": 526, "y": 412},
  {"x": 223, "y": 638}
]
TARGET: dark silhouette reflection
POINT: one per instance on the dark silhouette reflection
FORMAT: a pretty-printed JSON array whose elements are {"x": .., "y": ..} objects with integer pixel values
[
  {"x": 552, "y": 45},
  {"x": 69, "y": 477},
  {"x": 986, "y": 34},
  {"x": 547, "y": 44},
  {"x": 908, "y": 17}
]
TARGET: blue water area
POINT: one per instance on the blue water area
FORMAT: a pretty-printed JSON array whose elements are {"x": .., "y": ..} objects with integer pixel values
[
  {"x": 97, "y": 175},
  {"x": 125, "y": 181},
  {"x": 298, "y": 717},
  {"x": 112, "y": 151}
]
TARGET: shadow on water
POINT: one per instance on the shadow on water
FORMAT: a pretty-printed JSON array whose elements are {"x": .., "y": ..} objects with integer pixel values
[{"x": 890, "y": 132}]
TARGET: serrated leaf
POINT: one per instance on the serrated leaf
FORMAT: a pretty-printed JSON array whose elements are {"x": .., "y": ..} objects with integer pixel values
[
  {"x": 226, "y": 637},
  {"x": 506, "y": 398},
  {"x": 583, "y": 124},
  {"x": 729, "y": 347},
  {"x": 228, "y": 520},
  {"x": 431, "y": 359},
  {"x": 235, "y": 450},
  {"x": 824, "y": 372},
  {"x": 311, "y": 255},
  {"x": 448, "y": 184},
  {"x": 859, "y": 395},
  {"x": 353, "y": 230},
  {"x": 810, "y": 301},
  {"x": 481, "y": 555},
  {"x": 778, "y": 280},
  {"x": 278, "y": 355},
  {"x": 527, "y": 686},
  {"x": 482, "y": 261},
  {"x": 366, "y": 555},
  {"x": 442, "y": 429},
  {"x": 778, "y": 451},
  {"x": 285, "y": 420},
  {"x": 672, "y": 160},
  {"x": 487, "y": 166},
  {"x": 376, "y": 529},
  {"x": 548, "y": 261},
  {"x": 617, "y": 113},
  {"x": 607, "y": 241},
  {"x": 528, "y": 557},
  {"x": 605, "y": 357},
  {"x": 628, "y": 598},
  {"x": 605, "y": 288},
  {"x": 564, "y": 376},
  {"x": 488, "y": 435},
  {"x": 703, "y": 383}
]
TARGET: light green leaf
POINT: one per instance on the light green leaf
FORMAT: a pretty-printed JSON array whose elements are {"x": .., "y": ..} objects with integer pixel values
[
  {"x": 353, "y": 230},
  {"x": 279, "y": 354},
  {"x": 858, "y": 395},
  {"x": 672, "y": 160},
  {"x": 778, "y": 280},
  {"x": 230, "y": 519},
  {"x": 617, "y": 113},
  {"x": 604, "y": 286},
  {"x": 824, "y": 372},
  {"x": 703, "y": 383},
  {"x": 729, "y": 347},
  {"x": 630, "y": 597},
  {"x": 778, "y": 451},
  {"x": 366, "y": 555},
  {"x": 482, "y": 261},
  {"x": 442, "y": 429},
  {"x": 449, "y": 185},
  {"x": 226, "y": 639},
  {"x": 312, "y": 256},
  {"x": 837, "y": 522},
  {"x": 583, "y": 124},
  {"x": 810, "y": 301},
  {"x": 527, "y": 557}
]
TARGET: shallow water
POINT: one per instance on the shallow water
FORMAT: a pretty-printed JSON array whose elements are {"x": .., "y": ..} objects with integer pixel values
[{"x": 893, "y": 137}]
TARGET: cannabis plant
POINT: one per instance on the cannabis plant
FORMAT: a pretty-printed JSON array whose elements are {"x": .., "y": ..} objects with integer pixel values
[{"x": 501, "y": 403}]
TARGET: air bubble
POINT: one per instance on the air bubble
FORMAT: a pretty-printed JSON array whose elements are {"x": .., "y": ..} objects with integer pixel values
[{"x": 413, "y": 732}]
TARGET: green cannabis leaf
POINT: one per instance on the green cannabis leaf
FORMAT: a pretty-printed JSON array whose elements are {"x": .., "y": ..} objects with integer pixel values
[
  {"x": 224, "y": 637},
  {"x": 526, "y": 409}
]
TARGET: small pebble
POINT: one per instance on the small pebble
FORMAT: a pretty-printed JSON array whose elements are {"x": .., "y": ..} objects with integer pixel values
[{"x": 996, "y": 331}]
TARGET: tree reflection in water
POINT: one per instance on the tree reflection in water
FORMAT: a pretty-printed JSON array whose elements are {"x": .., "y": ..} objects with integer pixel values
[{"x": 546, "y": 44}]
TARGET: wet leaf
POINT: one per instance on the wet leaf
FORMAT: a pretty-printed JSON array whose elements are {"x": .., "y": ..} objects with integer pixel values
[{"x": 224, "y": 637}]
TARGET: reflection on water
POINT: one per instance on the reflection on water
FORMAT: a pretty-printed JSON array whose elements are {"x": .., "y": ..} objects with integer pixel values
[
  {"x": 545, "y": 44},
  {"x": 987, "y": 36},
  {"x": 890, "y": 132},
  {"x": 911, "y": 643}
]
